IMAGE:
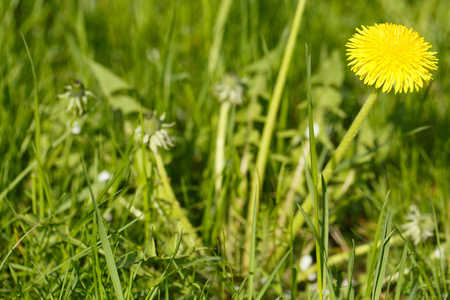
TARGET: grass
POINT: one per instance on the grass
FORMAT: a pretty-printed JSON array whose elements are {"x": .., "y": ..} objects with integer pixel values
[{"x": 228, "y": 212}]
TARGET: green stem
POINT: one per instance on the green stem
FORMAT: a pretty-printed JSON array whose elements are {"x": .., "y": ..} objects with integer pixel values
[
  {"x": 349, "y": 136},
  {"x": 218, "y": 31},
  {"x": 261, "y": 160},
  {"x": 37, "y": 121},
  {"x": 174, "y": 204},
  {"x": 220, "y": 146},
  {"x": 315, "y": 178}
]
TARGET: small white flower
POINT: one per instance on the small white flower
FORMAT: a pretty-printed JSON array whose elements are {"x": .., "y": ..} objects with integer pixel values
[
  {"x": 75, "y": 127},
  {"x": 439, "y": 253},
  {"x": 77, "y": 94},
  {"x": 104, "y": 176},
  {"x": 316, "y": 131},
  {"x": 305, "y": 262},
  {"x": 154, "y": 133},
  {"x": 109, "y": 217},
  {"x": 153, "y": 55},
  {"x": 418, "y": 227},
  {"x": 312, "y": 277},
  {"x": 231, "y": 88}
]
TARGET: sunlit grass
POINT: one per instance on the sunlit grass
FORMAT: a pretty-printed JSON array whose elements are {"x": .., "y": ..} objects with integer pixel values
[{"x": 90, "y": 212}]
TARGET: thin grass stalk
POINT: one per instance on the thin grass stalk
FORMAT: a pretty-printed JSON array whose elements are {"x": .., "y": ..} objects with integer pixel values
[
  {"x": 375, "y": 249},
  {"x": 251, "y": 275},
  {"x": 314, "y": 174},
  {"x": 441, "y": 268},
  {"x": 382, "y": 258},
  {"x": 398, "y": 288},
  {"x": 112, "y": 268},
  {"x": 257, "y": 177},
  {"x": 218, "y": 31},
  {"x": 37, "y": 120}
]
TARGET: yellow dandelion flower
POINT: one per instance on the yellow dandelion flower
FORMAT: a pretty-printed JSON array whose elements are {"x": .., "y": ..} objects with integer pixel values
[{"x": 391, "y": 56}]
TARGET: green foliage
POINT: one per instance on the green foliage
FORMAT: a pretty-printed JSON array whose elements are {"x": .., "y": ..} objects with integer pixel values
[{"x": 170, "y": 224}]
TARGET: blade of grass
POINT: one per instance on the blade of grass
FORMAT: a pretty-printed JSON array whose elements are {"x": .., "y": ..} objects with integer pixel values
[
  {"x": 438, "y": 241},
  {"x": 37, "y": 120},
  {"x": 382, "y": 258},
  {"x": 218, "y": 32},
  {"x": 315, "y": 178},
  {"x": 264, "y": 146},
  {"x": 350, "y": 269},
  {"x": 76, "y": 256},
  {"x": 325, "y": 230},
  {"x": 401, "y": 273},
  {"x": 18, "y": 242},
  {"x": 272, "y": 275},
  {"x": 372, "y": 261},
  {"x": 104, "y": 239},
  {"x": 251, "y": 274}
]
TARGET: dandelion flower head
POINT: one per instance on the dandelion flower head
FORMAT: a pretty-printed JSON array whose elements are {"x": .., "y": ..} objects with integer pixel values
[{"x": 392, "y": 57}]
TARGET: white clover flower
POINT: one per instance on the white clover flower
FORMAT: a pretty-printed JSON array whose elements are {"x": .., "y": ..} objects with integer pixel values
[
  {"x": 154, "y": 133},
  {"x": 418, "y": 227},
  {"x": 231, "y": 89},
  {"x": 77, "y": 94}
]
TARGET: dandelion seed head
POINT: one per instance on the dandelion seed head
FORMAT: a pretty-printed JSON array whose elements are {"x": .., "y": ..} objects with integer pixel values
[
  {"x": 418, "y": 226},
  {"x": 78, "y": 97},
  {"x": 153, "y": 133},
  {"x": 231, "y": 89}
]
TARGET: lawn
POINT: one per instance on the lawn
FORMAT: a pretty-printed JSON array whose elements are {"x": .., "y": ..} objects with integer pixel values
[{"x": 222, "y": 150}]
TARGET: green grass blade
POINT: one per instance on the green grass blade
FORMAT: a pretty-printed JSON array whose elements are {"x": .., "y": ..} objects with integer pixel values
[
  {"x": 269, "y": 126},
  {"x": 310, "y": 224},
  {"x": 350, "y": 270},
  {"x": 104, "y": 240},
  {"x": 272, "y": 275},
  {"x": 252, "y": 251},
  {"x": 401, "y": 273},
  {"x": 18, "y": 242},
  {"x": 312, "y": 146},
  {"x": 325, "y": 228},
  {"x": 76, "y": 256},
  {"x": 382, "y": 258},
  {"x": 374, "y": 252},
  {"x": 441, "y": 268}
]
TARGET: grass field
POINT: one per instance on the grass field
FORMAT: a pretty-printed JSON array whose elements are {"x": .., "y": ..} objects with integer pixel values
[{"x": 189, "y": 172}]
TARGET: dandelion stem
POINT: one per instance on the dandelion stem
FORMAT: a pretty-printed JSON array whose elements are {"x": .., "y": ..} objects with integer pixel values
[
  {"x": 175, "y": 206},
  {"x": 349, "y": 137},
  {"x": 220, "y": 145}
]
